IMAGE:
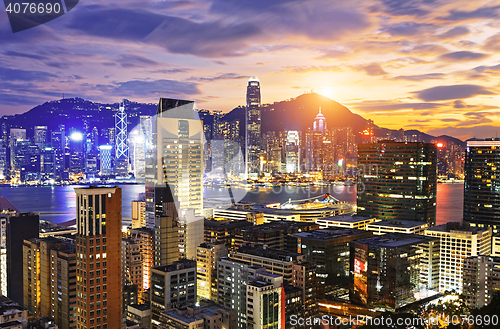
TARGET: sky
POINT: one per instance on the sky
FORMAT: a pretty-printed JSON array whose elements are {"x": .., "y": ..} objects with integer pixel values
[{"x": 415, "y": 64}]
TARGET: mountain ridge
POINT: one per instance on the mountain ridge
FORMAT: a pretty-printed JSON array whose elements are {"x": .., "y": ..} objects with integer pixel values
[{"x": 295, "y": 113}]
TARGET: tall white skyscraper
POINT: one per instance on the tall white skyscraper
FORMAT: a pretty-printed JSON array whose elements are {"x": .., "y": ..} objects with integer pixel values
[{"x": 292, "y": 152}]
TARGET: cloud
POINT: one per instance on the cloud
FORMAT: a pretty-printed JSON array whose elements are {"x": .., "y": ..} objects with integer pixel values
[
  {"x": 450, "y": 120},
  {"x": 441, "y": 93},
  {"x": 133, "y": 61},
  {"x": 492, "y": 43},
  {"x": 174, "y": 70},
  {"x": 373, "y": 106},
  {"x": 463, "y": 56},
  {"x": 457, "y": 31},
  {"x": 372, "y": 69},
  {"x": 420, "y": 77},
  {"x": 140, "y": 88},
  {"x": 409, "y": 7},
  {"x": 223, "y": 76},
  {"x": 24, "y": 55},
  {"x": 424, "y": 50},
  {"x": 10, "y": 75},
  {"x": 312, "y": 68},
  {"x": 317, "y": 19},
  {"x": 177, "y": 35},
  {"x": 459, "y": 104},
  {"x": 480, "y": 13},
  {"x": 408, "y": 29}
]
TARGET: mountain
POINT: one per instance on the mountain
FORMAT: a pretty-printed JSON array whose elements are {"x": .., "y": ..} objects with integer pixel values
[
  {"x": 72, "y": 112},
  {"x": 293, "y": 114},
  {"x": 299, "y": 113}
]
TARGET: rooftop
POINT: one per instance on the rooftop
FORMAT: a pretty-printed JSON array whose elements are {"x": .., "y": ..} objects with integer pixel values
[
  {"x": 181, "y": 264},
  {"x": 330, "y": 233},
  {"x": 281, "y": 225},
  {"x": 394, "y": 240},
  {"x": 399, "y": 223},
  {"x": 346, "y": 218},
  {"x": 456, "y": 226},
  {"x": 282, "y": 255}
]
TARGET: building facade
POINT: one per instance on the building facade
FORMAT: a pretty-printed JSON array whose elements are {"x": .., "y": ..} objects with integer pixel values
[
  {"x": 253, "y": 128},
  {"x": 99, "y": 266},
  {"x": 481, "y": 280},
  {"x": 481, "y": 193},
  {"x": 397, "y": 181}
]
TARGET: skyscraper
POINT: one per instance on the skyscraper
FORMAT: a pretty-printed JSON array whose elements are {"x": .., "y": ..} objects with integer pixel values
[
  {"x": 176, "y": 161},
  {"x": 40, "y": 136},
  {"x": 292, "y": 152},
  {"x": 397, "y": 181},
  {"x": 98, "y": 247},
  {"x": 253, "y": 129},
  {"x": 482, "y": 184},
  {"x": 19, "y": 227}
]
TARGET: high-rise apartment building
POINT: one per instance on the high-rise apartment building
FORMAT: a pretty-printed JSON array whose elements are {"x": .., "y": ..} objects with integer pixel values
[
  {"x": 457, "y": 242},
  {"x": 481, "y": 280},
  {"x": 265, "y": 302},
  {"x": 172, "y": 286},
  {"x": 275, "y": 261},
  {"x": 397, "y": 181},
  {"x": 138, "y": 213},
  {"x": 98, "y": 247},
  {"x": 49, "y": 275},
  {"x": 232, "y": 279},
  {"x": 253, "y": 128},
  {"x": 206, "y": 259},
  {"x": 146, "y": 243},
  {"x": 132, "y": 265},
  {"x": 481, "y": 193}
]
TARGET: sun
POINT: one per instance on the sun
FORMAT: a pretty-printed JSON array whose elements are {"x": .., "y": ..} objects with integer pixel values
[{"x": 326, "y": 91}]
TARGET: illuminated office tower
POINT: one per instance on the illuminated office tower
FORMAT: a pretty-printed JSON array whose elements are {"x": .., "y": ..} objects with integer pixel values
[
  {"x": 317, "y": 144},
  {"x": 98, "y": 247},
  {"x": 397, "y": 181},
  {"x": 121, "y": 146},
  {"x": 176, "y": 161},
  {"x": 137, "y": 148},
  {"x": 482, "y": 181},
  {"x": 106, "y": 160},
  {"x": 16, "y": 135},
  {"x": 3, "y": 162},
  {"x": 292, "y": 152},
  {"x": 132, "y": 275},
  {"x": 40, "y": 136},
  {"x": 253, "y": 129}
]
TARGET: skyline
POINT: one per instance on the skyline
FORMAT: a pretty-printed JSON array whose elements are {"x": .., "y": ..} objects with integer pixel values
[{"x": 419, "y": 65}]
